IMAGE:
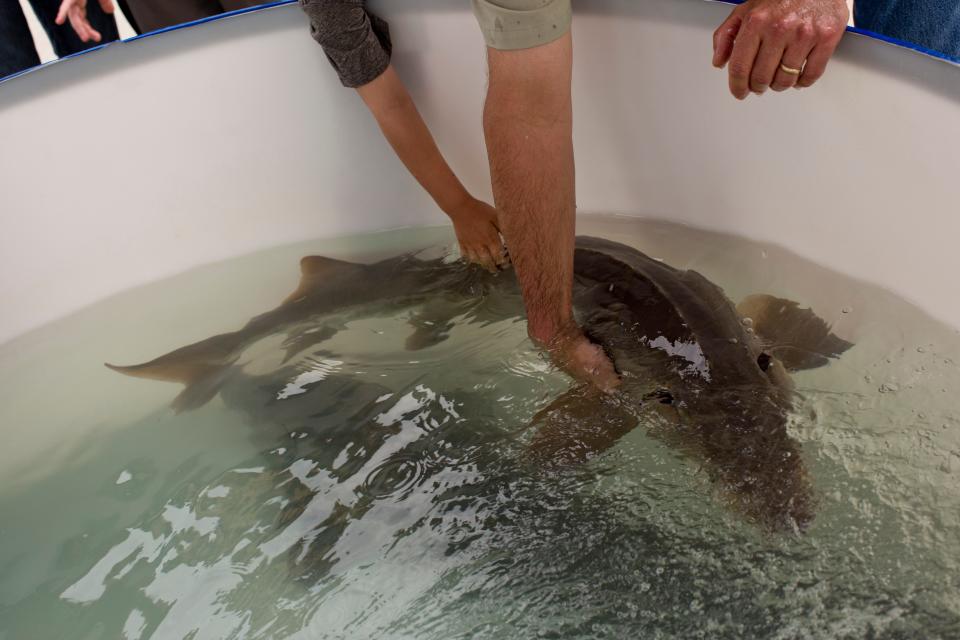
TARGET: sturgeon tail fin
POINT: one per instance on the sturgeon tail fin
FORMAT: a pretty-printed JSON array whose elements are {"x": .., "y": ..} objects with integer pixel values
[
  {"x": 201, "y": 367},
  {"x": 797, "y": 337}
]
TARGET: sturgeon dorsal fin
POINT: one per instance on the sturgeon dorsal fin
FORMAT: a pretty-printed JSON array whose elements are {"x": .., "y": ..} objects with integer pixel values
[
  {"x": 321, "y": 266},
  {"x": 797, "y": 337},
  {"x": 316, "y": 269}
]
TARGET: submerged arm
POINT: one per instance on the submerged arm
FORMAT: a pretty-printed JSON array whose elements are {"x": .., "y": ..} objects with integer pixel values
[{"x": 528, "y": 123}]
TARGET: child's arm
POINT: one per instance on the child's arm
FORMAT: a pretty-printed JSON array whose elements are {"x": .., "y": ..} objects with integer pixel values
[
  {"x": 475, "y": 222},
  {"x": 357, "y": 43}
]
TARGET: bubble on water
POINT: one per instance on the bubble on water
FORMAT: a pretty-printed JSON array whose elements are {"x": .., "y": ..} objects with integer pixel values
[
  {"x": 747, "y": 322},
  {"x": 889, "y": 387},
  {"x": 734, "y": 341},
  {"x": 921, "y": 349},
  {"x": 846, "y": 309}
]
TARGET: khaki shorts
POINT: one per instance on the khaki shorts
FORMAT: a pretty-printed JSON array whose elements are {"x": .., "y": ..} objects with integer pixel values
[{"x": 522, "y": 24}]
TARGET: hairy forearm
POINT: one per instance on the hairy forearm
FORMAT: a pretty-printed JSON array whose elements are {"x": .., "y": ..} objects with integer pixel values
[
  {"x": 528, "y": 126},
  {"x": 397, "y": 115}
]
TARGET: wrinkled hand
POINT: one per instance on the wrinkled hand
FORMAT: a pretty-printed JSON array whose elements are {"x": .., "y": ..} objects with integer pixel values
[
  {"x": 583, "y": 360},
  {"x": 760, "y": 35},
  {"x": 478, "y": 233},
  {"x": 76, "y": 12}
]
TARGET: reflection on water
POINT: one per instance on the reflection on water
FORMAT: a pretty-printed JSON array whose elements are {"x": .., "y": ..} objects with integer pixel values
[{"x": 359, "y": 489}]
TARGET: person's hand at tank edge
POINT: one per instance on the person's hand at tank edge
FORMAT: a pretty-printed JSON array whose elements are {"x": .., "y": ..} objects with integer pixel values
[
  {"x": 76, "y": 12},
  {"x": 478, "y": 233},
  {"x": 778, "y": 44}
]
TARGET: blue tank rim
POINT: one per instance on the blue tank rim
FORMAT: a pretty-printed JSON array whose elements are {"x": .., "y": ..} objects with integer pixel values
[{"x": 280, "y": 3}]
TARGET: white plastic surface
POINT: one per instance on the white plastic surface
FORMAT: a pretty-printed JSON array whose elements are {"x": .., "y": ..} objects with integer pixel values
[{"x": 146, "y": 158}]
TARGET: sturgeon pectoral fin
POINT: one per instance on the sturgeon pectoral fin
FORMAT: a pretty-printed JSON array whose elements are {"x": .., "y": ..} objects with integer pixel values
[
  {"x": 318, "y": 269},
  {"x": 579, "y": 425},
  {"x": 797, "y": 337},
  {"x": 432, "y": 323},
  {"x": 304, "y": 339}
]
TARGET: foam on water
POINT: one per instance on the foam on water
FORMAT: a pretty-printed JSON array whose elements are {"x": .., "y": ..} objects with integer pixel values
[{"x": 362, "y": 490}]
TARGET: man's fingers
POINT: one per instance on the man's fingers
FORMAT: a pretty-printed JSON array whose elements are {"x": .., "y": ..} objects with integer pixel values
[
  {"x": 479, "y": 256},
  {"x": 496, "y": 257},
  {"x": 92, "y": 33},
  {"x": 482, "y": 258},
  {"x": 65, "y": 7},
  {"x": 79, "y": 25},
  {"x": 497, "y": 253},
  {"x": 744, "y": 54},
  {"x": 816, "y": 63},
  {"x": 490, "y": 264},
  {"x": 724, "y": 37},
  {"x": 795, "y": 57},
  {"x": 765, "y": 66},
  {"x": 503, "y": 256},
  {"x": 78, "y": 20},
  {"x": 107, "y": 6}
]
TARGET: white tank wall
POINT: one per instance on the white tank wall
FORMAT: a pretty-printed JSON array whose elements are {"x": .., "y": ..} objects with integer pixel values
[{"x": 146, "y": 158}]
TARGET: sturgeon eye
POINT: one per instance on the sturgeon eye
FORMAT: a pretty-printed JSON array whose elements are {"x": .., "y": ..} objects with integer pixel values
[
  {"x": 763, "y": 361},
  {"x": 663, "y": 396}
]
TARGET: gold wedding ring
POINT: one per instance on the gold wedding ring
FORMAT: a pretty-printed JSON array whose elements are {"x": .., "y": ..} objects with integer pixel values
[{"x": 790, "y": 70}]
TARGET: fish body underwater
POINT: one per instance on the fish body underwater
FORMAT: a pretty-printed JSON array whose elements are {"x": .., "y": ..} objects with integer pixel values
[{"x": 709, "y": 378}]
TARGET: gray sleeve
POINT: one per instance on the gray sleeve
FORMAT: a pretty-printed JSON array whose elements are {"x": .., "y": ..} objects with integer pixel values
[{"x": 356, "y": 42}]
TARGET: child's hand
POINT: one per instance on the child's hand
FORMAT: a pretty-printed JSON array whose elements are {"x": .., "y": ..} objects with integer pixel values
[{"x": 478, "y": 233}]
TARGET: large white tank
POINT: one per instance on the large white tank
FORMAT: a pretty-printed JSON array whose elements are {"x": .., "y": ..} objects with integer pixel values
[{"x": 147, "y": 157}]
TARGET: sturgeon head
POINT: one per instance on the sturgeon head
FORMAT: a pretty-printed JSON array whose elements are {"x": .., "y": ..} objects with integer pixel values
[{"x": 698, "y": 373}]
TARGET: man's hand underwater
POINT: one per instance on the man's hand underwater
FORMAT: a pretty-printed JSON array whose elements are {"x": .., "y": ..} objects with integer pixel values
[{"x": 583, "y": 360}]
